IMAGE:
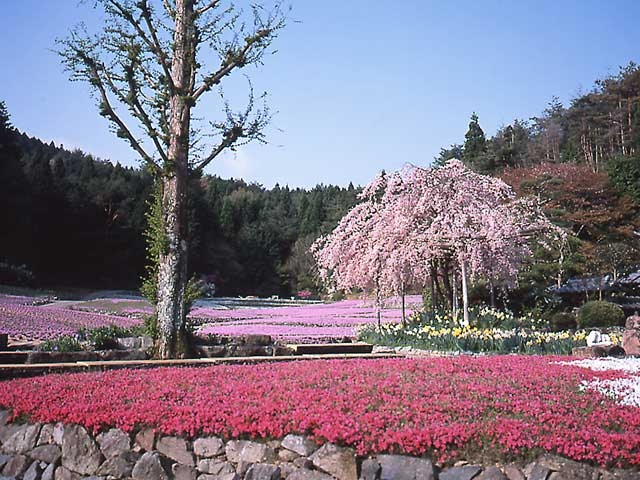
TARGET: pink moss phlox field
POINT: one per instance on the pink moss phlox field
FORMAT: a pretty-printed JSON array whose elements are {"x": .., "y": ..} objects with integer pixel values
[
  {"x": 314, "y": 322},
  {"x": 438, "y": 406},
  {"x": 18, "y": 317}
]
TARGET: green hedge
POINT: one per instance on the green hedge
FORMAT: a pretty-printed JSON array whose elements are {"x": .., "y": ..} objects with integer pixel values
[{"x": 600, "y": 314}]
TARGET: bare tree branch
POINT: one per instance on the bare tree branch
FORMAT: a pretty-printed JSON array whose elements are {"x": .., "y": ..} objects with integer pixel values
[
  {"x": 234, "y": 59},
  {"x": 153, "y": 43},
  {"x": 108, "y": 111},
  {"x": 239, "y": 128},
  {"x": 136, "y": 109},
  {"x": 162, "y": 58},
  {"x": 228, "y": 141},
  {"x": 207, "y": 7}
]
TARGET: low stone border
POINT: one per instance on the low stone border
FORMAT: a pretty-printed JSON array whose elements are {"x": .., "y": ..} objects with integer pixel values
[{"x": 69, "y": 452}]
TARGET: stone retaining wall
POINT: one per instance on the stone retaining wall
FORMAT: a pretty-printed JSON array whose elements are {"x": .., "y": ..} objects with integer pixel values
[{"x": 69, "y": 452}]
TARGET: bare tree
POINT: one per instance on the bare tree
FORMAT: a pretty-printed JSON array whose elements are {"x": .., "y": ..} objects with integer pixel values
[{"x": 146, "y": 72}]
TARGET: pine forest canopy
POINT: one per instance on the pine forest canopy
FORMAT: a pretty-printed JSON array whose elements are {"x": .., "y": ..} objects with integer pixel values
[{"x": 250, "y": 240}]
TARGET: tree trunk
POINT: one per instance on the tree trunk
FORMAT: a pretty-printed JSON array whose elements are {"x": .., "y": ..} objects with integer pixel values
[
  {"x": 465, "y": 294},
  {"x": 402, "y": 295},
  {"x": 432, "y": 279},
  {"x": 492, "y": 293},
  {"x": 172, "y": 268},
  {"x": 454, "y": 297},
  {"x": 447, "y": 290}
]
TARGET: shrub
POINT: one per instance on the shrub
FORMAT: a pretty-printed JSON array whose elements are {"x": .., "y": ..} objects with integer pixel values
[
  {"x": 151, "y": 326},
  {"x": 104, "y": 338},
  {"x": 600, "y": 314},
  {"x": 65, "y": 343},
  {"x": 560, "y": 321}
]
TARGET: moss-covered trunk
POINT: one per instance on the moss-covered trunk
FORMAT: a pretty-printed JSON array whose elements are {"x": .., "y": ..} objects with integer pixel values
[{"x": 172, "y": 265}]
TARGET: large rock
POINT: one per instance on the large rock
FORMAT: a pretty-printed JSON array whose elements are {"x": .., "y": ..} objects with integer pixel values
[
  {"x": 631, "y": 341},
  {"x": 633, "y": 322},
  {"x": 287, "y": 455},
  {"x": 212, "y": 351},
  {"x": 58, "y": 433},
  {"x": 263, "y": 471},
  {"x": 46, "y": 435},
  {"x": 215, "y": 467},
  {"x": 400, "y": 467},
  {"x": 249, "y": 452},
  {"x": 119, "y": 355},
  {"x": 492, "y": 473},
  {"x": 176, "y": 449},
  {"x": 569, "y": 468},
  {"x": 287, "y": 469},
  {"x": 48, "y": 473},
  {"x": 183, "y": 472},
  {"x": 226, "y": 476},
  {"x": 114, "y": 442},
  {"x": 337, "y": 461},
  {"x": 46, "y": 453},
  {"x": 257, "y": 339},
  {"x": 370, "y": 469},
  {"x": 598, "y": 351},
  {"x": 15, "y": 466},
  {"x": 299, "y": 444},
  {"x": 208, "y": 447},
  {"x": 540, "y": 473},
  {"x": 128, "y": 343},
  {"x": 149, "y": 468},
  {"x": 617, "y": 474},
  {"x": 23, "y": 439},
  {"x": 4, "y": 417},
  {"x": 61, "y": 357},
  {"x": 303, "y": 462},
  {"x": 80, "y": 453},
  {"x": 304, "y": 474},
  {"x": 119, "y": 466},
  {"x": 7, "y": 431},
  {"x": 146, "y": 439},
  {"x": 34, "y": 472},
  {"x": 466, "y": 472},
  {"x": 512, "y": 472},
  {"x": 63, "y": 473}
]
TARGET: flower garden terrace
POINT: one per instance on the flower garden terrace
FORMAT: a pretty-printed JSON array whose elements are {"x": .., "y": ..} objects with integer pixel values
[
  {"x": 483, "y": 409},
  {"x": 29, "y": 319}
]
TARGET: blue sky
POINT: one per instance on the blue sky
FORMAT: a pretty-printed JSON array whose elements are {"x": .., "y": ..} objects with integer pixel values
[{"x": 358, "y": 85}]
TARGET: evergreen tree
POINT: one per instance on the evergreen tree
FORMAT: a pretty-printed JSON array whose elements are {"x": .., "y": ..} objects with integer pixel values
[
  {"x": 14, "y": 199},
  {"x": 446, "y": 154},
  {"x": 475, "y": 146}
]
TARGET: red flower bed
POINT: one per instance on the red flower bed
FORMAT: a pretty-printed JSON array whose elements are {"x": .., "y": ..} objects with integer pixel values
[{"x": 445, "y": 407}]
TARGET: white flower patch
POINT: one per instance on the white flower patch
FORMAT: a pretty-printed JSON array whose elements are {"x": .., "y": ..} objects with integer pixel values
[
  {"x": 626, "y": 391},
  {"x": 628, "y": 365}
]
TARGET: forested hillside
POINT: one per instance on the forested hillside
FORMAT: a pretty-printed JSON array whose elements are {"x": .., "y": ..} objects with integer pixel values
[
  {"x": 600, "y": 129},
  {"x": 583, "y": 163},
  {"x": 72, "y": 219}
]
